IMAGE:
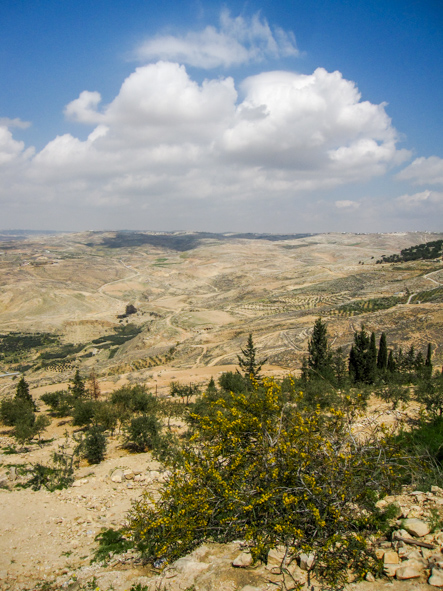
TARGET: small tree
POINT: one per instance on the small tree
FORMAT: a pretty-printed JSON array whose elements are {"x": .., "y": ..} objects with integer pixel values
[
  {"x": 78, "y": 389},
  {"x": 94, "y": 445},
  {"x": 382, "y": 357},
  {"x": 22, "y": 393},
  {"x": 428, "y": 362},
  {"x": 320, "y": 355},
  {"x": 362, "y": 358},
  {"x": 248, "y": 362}
]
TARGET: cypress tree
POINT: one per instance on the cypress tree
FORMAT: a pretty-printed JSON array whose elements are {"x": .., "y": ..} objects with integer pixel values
[
  {"x": 320, "y": 355},
  {"x": 428, "y": 362},
  {"x": 362, "y": 361},
  {"x": 372, "y": 359},
  {"x": 382, "y": 358}
]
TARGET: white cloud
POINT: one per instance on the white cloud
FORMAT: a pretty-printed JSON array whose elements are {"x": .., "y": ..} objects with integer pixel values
[
  {"x": 11, "y": 150},
  {"x": 16, "y": 122},
  {"x": 165, "y": 140},
  {"x": 347, "y": 204},
  {"x": 237, "y": 41},
  {"x": 423, "y": 171},
  {"x": 424, "y": 203},
  {"x": 84, "y": 109}
]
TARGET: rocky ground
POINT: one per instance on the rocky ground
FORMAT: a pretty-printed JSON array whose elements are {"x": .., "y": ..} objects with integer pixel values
[{"x": 48, "y": 539}]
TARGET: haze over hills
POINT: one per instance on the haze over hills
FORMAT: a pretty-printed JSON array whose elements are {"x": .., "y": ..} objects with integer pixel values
[{"x": 197, "y": 296}]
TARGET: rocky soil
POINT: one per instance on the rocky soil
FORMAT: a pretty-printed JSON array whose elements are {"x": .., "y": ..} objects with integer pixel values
[{"x": 49, "y": 538}]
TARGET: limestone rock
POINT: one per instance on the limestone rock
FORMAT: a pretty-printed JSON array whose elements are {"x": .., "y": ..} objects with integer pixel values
[
  {"x": 410, "y": 569},
  {"x": 128, "y": 474},
  {"x": 391, "y": 557},
  {"x": 80, "y": 482},
  {"x": 400, "y": 533},
  {"x": 436, "y": 578},
  {"x": 416, "y": 527},
  {"x": 390, "y": 569},
  {"x": 117, "y": 476},
  {"x": 306, "y": 561},
  {"x": 243, "y": 560},
  {"x": 370, "y": 578}
]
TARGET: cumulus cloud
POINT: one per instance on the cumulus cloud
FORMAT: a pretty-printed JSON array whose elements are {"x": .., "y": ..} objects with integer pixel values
[
  {"x": 423, "y": 171},
  {"x": 11, "y": 150},
  {"x": 166, "y": 139},
  {"x": 290, "y": 131},
  {"x": 237, "y": 41}
]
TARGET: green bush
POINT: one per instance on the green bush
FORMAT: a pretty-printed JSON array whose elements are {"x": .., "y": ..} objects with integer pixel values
[
  {"x": 232, "y": 381},
  {"x": 134, "y": 399},
  {"x": 84, "y": 412},
  {"x": 60, "y": 402},
  {"x": 268, "y": 472},
  {"x": 143, "y": 433},
  {"x": 15, "y": 410},
  {"x": 94, "y": 445},
  {"x": 106, "y": 415}
]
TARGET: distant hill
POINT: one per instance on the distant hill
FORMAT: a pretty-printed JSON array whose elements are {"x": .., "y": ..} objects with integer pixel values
[{"x": 428, "y": 250}]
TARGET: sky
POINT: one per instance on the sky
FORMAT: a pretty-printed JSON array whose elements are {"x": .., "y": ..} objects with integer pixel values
[{"x": 281, "y": 117}]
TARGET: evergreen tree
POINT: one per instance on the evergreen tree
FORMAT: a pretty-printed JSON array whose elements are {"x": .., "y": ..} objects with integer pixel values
[
  {"x": 247, "y": 360},
  {"x": 410, "y": 359},
  {"x": 320, "y": 355},
  {"x": 391, "y": 362},
  {"x": 382, "y": 358},
  {"x": 428, "y": 362},
  {"x": 339, "y": 366},
  {"x": 372, "y": 359},
  {"x": 22, "y": 393},
  {"x": 361, "y": 358},
  {"x": 78, "y": 389},
  {"x": 419, "y": 363}
]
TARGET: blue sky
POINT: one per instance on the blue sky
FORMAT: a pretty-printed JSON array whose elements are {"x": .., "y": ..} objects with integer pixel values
[{"x": 256, "y": 116}]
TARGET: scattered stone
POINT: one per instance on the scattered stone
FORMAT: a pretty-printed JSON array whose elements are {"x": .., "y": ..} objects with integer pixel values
[
  {"x": 390, "y": 569},
  {"x": 306, "y": 561},
  {"x": 243, "y": 560},
  {"x": 436, "y": 578},
  {"x": 80, "y": 482},
  {"x": 370, "y": 578},
  {"x": 391, "y": 557},
  {"x": 117, "y": 476},
  {"x": 416, "y": 527},
  {"x": 128, "y": 474},
  {"x": 407, "y": 572}
]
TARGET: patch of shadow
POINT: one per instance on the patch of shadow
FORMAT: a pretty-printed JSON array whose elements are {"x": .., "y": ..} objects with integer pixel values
[{"x": 182, "y": 242}]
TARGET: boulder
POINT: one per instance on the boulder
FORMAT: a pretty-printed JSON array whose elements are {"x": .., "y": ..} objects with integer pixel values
[
  {"x": 436, "y": 578},
  {"x": 243, "y": 560},
  {"x": 391, "y": 557},
  {"x": 416, "y": 527}
]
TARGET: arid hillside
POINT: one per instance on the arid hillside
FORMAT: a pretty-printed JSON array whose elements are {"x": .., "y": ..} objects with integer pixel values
[{"x": 196, "y": 298}]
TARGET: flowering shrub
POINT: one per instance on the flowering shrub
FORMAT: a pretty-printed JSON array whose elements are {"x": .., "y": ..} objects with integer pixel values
[{"x": 273, "y": 473}]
